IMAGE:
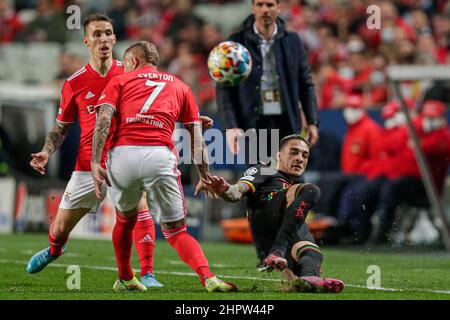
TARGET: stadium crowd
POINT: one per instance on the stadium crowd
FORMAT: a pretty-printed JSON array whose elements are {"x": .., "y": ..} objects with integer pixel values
[
  {"x": 347, "y": 57},
  {"x": 348, "y": 60}
]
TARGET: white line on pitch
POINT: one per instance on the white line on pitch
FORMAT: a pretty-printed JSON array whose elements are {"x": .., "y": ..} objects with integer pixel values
[{"x": 191, "y": 274}]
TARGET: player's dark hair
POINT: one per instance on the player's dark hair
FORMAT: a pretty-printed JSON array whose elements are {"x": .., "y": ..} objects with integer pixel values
[
  {"x": 150, "y": 53},
  {"x": 278, "y": 1},
  {"x": 291, "y": 137},
  {"x": 96, "y": 17}
]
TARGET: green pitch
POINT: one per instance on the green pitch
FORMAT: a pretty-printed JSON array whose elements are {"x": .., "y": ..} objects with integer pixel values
[{"x": 421, "y": 275}]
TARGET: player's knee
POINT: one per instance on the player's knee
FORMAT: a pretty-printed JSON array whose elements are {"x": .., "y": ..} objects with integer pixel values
[
  {"x": 306, "y": 247},
  {"x": 310, "y": 192},
  {"x": 171, "y": 230},
  {"x": 142, "y": 205}
]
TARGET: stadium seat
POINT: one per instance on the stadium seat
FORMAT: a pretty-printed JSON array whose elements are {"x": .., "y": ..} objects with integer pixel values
[{"x": 42, "y": 61}]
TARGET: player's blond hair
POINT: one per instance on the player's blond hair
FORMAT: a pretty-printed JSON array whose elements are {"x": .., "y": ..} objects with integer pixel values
[{"x": 149, "y": 51}]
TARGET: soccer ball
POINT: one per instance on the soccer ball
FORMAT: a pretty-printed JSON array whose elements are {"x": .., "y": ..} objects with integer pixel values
[{"x": 229, "y": 63}]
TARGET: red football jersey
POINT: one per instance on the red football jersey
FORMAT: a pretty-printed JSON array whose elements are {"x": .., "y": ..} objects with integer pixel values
[
  {"x": 147, "y": 104},
  {"x": 79, "y": 97}
]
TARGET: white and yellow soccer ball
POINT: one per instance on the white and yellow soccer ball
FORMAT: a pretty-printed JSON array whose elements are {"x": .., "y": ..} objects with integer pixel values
[{"x": 229, "y": 63}]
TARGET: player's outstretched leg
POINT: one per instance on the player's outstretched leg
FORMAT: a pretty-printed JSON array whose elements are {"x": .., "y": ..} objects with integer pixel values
[
  {"x": 58, "y": 234},
  {"x": 191, "y": 253},
  {"x": 315, "y": 284},
  {"x": 144, "y": 240},
  {"x": 123, "y": 241},
  {"x": 305, "y": 196},
  {"x": 308, "y": 258}
]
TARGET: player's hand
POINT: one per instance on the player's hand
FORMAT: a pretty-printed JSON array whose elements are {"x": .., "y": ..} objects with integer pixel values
[
  {"x": 313, "y": 134},
  {"x": 216, "y": 184},
  {"x": 99, "y": 175},
  {"x": 201, "y": 186},
  {"x": 207, "y": 122},
  {"x": 39, "y": 160},
  {"x": 232, "y": 139}
]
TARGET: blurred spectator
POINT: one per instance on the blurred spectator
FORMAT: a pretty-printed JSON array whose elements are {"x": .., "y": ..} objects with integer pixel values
[
  {"x": 167, "y": 53},
  {"x": 210, "y": 37},
  {"x": 358, "y": 150},
  {"x": 49, "y": 25},
  {"x": 358, "y": 155},
  {"x": 441, "y": 30},
  {"x": 332, "y": 87},
  {"x": 357, "y": 67},
  {"x": 378, "y": 85},
  {"x": 118, "y": 13},
  {"x": 407, "y": 186},
  {"x": 68, "y": 64},
  {"x": 359, "y": 203},
  {"x": 10, "y": 24},
  {"x": 182, "y": 23}
]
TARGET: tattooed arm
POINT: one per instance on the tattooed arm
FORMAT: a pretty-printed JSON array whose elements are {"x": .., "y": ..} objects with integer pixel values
[
  {"x": 200, "y": 156},
  {"x": 198, "y": 149},
  {"x": 230, "y": 193},
  {"x": 101, "y": 131},
  {"x": 53, "y": 141}
]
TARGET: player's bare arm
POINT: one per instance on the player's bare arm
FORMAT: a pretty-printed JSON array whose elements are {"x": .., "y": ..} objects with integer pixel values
[
  {"x": 230, "y": 193},
  {"x": 200, "y": 156},
  {"x": 198, "y": 149},
  {"x": 101, "y": 130},
  {"x": 53, "y": 141}
]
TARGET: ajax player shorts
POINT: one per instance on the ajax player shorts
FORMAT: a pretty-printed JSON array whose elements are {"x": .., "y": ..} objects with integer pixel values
[
  {"x": 80, "y": 192},
  {"x": 135, "y": 169}
]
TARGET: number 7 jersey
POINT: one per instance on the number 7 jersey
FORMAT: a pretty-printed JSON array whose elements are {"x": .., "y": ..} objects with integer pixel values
[{"x": 147, "y": 104}]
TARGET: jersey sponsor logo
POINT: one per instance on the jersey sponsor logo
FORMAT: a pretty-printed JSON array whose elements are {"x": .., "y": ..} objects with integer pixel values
[
  {"x": 89, "y": 95},
  {"x": 251, "y": 171}
]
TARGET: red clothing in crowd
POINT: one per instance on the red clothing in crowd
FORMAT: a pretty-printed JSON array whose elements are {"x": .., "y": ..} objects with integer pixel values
[
  {"x": 10, "y": 26},
  {"x": 436, "y": 146},
  {"x": 359, "y": 150}
]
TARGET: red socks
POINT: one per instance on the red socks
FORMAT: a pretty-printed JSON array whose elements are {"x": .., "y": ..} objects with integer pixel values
[
  {"x": 56, "y": 244},
  {"x": 144, "y": 240},
  {"x": 122, "y": 238},
  {"x": 189, "y": 251}
]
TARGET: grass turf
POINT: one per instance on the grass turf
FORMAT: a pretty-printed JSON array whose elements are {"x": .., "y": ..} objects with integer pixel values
[{"x": 421, "y": 275}]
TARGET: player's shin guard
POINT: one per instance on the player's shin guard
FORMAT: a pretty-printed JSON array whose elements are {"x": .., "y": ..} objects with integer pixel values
[
  {"x": 294, "y": 216},
  {"x": 56, "y": 243},
  {"x": 144, "y": 240},
  {"x": 189, "y": 251},
  {"x": 309, "y": 260},
  {"x": 122, "y": 239}
]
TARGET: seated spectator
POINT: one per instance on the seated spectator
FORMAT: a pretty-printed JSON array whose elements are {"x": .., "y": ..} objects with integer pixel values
[
  {"x": 49, "y": 25},
  {"x": 358, "y": 152}
]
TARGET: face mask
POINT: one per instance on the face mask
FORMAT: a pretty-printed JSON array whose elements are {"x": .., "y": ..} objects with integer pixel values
[
  {"x": 432, "y": 124},
  {"x": 390, "y": 123},
  {"x": 400, "y": 118},
  {"x": 377, "y": 77},
  {"x": 387, "y": 36},
  {"x": 346, "y": 73},
  {"x": 352, "y": 115}
]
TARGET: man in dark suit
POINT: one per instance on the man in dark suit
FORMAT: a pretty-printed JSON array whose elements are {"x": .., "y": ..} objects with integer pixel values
[{"x": 280, "y": 79}]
